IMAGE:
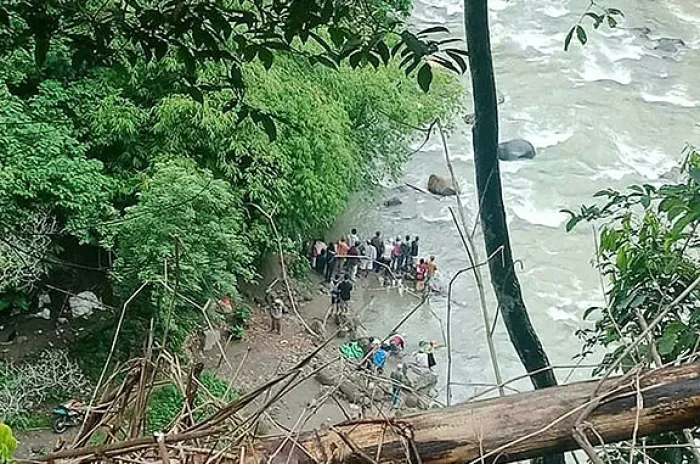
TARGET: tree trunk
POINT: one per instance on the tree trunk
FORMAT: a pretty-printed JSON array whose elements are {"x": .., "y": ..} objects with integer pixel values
[
  {"x": 505, "y": 429},
  {"x": 488, "y": 182}
]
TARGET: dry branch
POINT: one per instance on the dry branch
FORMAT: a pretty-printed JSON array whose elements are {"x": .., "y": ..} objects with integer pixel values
[
  {"x": 671, "y": 401},
  {"x": 504, "y": 429}
]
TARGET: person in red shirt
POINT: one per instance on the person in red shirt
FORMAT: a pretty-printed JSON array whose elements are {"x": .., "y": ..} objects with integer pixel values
[
  {"x": 421, "y": 274},
  {"x": 396, "y": 255},
  {"x": 341, "y": 252}
]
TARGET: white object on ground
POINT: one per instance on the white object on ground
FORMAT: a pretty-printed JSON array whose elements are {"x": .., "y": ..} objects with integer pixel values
[{"x": 84, "y": 304}]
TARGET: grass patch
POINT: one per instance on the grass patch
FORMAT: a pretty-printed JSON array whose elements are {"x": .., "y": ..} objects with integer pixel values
[{"x": 167, "y": 403}]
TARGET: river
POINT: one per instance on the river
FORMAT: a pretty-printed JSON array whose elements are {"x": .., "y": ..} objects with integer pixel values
[{"x": 609, "y": 114}]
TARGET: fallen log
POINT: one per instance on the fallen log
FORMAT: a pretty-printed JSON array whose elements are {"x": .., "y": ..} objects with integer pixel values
[{"x": 505, "y": 429}]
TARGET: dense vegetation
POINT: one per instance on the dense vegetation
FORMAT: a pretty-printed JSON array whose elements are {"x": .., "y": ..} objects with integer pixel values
[
  {"x": 648, "y": 251},
  {"x": 120, "y": 168}
]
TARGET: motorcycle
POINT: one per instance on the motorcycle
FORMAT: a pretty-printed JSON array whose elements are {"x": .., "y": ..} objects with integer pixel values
[{"x": 67, "y": 415}]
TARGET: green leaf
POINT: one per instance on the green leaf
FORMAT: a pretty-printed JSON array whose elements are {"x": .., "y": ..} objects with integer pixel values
[
  {"x": 355, "y": 59},
  {"x": 413, "y": 65},
  {"x": 571, "y": 223},
  {"x": 457, "y": 59},
  {"x": 445, "y": 63},
  {"x": 621, "y": 259},
  {"x": 581, "y": 35},
  {"x": 196, "y": 94},
  {"x": 604, "y": 193},
  {"x": 694, "y": 174},
  {"x": 569, "y": 36},
  {"x": 383, "y": 52},
  {"x": 325, "y": 61},
  {"x": 667, "y": 343},
  {"x": 161, "y": 49},
  {"x": 373, "y": 59},
  {"x": 270, "y": 127},
  {"x": 266, "y": 57},
  {"x": 434, "y": 30},
  {"x": 588, "y": 312},
  {"x": 41, "y": 49},
  {"x": 425, "y": 77},
  {"x": 236, "y": 76}
]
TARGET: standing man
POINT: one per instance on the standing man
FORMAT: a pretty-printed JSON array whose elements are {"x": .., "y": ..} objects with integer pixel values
[
  {"x": 345, "y": 291},
  {"x": 353, "y": 260},
  {"x": 341, "y": 254},
  {"x": 398, "y": 380},
  {"x": 421, "y": 272},
  {"x": 370, "y": 257},
  {"x": 378, "y": 243},
  {"x": 276, "y": 311},
  {"x": 414, "y": 251},
  {"x": 396, "y": 255},
  {"x": 406, "y": 253},
  {"x": 330, "y": 261},
  {"x": 432, "y": 269},
  {"x": 353, "y": 238}
]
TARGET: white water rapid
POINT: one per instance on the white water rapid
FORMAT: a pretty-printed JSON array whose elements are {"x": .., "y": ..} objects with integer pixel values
[{"x": 612, "y": 113}]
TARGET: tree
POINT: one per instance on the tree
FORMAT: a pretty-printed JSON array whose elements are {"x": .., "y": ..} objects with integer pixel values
[
  {"x": 97, "y": 142},
  {"x": 491, "y": 209},
  {"x": 648, "y": 246},
  {"x": 117, "y": 33},
  {"x": 489, "y": 191}
]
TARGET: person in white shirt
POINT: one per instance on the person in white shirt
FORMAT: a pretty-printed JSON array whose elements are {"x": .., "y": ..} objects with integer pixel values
[
  {"x": 370, "y": 258},
  {"x": 353, "y": 238}
]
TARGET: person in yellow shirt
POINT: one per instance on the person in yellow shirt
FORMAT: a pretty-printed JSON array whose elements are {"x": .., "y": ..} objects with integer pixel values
[{"x": 432, "y": 268}]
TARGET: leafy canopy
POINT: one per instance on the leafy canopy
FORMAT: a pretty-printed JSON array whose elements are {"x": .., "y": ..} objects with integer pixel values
[{"x": 649, "y": 253}]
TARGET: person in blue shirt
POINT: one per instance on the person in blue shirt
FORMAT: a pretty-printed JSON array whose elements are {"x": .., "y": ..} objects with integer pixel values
[{"x": 379, "y": 360}]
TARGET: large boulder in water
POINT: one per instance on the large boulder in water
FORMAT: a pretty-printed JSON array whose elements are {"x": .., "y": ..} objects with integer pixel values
[
  {"x": 516, "y": 149},
  {"x": 440, "y": 186},
  {"x": 669, "y": 45}
]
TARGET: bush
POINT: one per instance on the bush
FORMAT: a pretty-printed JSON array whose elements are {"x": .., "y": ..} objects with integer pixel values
[
  {"x": 8, "y": 444},
  {"x": 167, "y": 403},
  {"x": 164, "y": 407},
  {"x": 238, "y": 321},
  {"x": 26, "y": 387}
]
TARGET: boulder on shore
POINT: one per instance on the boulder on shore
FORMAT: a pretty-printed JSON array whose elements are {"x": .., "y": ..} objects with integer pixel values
[
  {"x": 440, "y": 186},
  {"x": 516, "y": 149}
]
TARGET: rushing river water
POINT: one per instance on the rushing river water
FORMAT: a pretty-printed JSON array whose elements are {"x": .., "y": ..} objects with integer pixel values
[{"x": 609, "y": 114}]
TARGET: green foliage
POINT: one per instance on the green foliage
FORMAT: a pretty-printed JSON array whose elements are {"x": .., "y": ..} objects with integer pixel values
[
  {"x": 167, "y": 403},
  {"x": 649, "y": 253},
  {"x": 8, "y": 444},
  {"x": 648, "y": 246},
  {"x": 598, "y": 14},
  {"x": 26, "y": 389},
  {"x": 93, "y": 34},
  {"x": 148, "y": 140},
  {"x": 238, "y": 320},
  {"x": 165, "y": 406},
  {"x": 34, "y": 420}
]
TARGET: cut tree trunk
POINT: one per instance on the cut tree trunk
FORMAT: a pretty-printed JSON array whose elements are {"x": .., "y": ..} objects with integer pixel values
[
  {"x": 491, "y": 208},
  {"x": 505, "y": 429}
]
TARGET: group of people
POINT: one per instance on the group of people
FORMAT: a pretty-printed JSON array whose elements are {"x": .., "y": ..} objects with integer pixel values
[
  {"x": 356, "y": 257},
  {"x": 373, "y": 354}
]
